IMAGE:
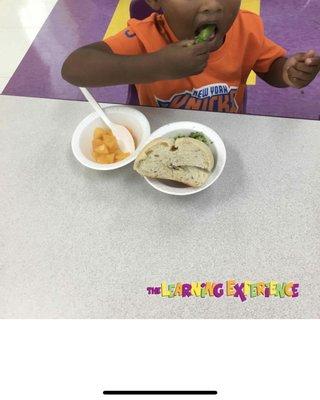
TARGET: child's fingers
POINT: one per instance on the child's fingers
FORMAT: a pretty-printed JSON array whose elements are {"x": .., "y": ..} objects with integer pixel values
[
  {"x": 295, "y": 81},
  {"x": 186, "y": 43},
  {"x": 201, "y": 48},
  {"x": 302, "y": 63},
  {"x": 298, "y": 58},
  {"x": 308, "y": 69},
  {"x": 299, "y": 79},
  {"x": 300, "y": 75},
  {"x": 301, "y": 66},
  {"x": 310, "y": 54},
  {"x": 313, "y": 62},
  {"x": 197, "y": 48},
  {"x": 302, "y": 57},
  {"x": 298, "y": 83},
  {"x": 294, "y": 60},
  {"x": 301, "y": 69}
]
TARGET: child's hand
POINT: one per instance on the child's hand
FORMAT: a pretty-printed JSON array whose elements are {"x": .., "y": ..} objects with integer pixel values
[
  {"x": 301, "y": 69},
  {"x": 182, "y": 59}
]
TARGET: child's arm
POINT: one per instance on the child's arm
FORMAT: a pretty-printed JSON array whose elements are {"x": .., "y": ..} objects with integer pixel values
[
  {"x": 297, "y": 71},
  {"x": 96, "y": 65}
]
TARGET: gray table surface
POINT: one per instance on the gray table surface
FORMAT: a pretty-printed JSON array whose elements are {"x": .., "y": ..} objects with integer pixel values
[{"x": 78, "y": 243}]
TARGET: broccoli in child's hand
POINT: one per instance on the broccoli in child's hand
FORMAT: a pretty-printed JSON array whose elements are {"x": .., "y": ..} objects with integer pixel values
[{"x": 204, "y": 34}]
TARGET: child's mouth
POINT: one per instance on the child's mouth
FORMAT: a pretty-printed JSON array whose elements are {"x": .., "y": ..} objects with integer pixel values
[{"x": 206, "y": 32}]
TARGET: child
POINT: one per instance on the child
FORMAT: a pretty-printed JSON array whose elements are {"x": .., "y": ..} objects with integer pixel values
[{"x": 170, "y": 69}]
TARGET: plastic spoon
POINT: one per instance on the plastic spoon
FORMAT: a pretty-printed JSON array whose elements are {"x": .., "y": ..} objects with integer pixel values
[{"x": 121, "y": 133}]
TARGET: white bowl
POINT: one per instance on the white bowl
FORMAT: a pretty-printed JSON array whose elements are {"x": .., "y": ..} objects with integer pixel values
[
  {"x": 131, "y": 118},
  {"x": 217, "y": 147}
]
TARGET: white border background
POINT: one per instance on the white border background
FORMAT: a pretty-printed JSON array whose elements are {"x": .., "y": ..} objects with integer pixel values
[{"x": 78, "y": 359}]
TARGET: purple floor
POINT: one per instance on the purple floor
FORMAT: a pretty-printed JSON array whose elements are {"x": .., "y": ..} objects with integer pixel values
[
  {"x": 295, "y": 24},
  {"x": 71, "y": 24}
]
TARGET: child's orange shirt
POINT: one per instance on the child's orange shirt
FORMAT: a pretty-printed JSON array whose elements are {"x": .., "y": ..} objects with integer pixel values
[{"x": 220, "y": 87}]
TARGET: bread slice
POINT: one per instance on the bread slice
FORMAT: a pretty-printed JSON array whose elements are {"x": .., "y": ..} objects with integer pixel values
[{"x": 184, "y": 160}]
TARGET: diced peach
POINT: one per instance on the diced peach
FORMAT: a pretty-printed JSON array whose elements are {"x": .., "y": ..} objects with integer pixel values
[
  {"x": 113, "y": 146},
  {"x": 111, "y": 158},
  {"x": 105, "y": 158},
  {"x": 108, "y": 139},
  {"x": 102, "y": 149},
  {"x": 97, "y": 142},
  {"x": 98, "y": 133},
  {"x": 107, "y": 134},
  {"x": 121, "y": 155},
  {"x": 105, "y": 148}
]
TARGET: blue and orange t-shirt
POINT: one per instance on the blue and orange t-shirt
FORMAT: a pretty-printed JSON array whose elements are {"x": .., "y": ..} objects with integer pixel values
[{"x": 220, "y": 87}]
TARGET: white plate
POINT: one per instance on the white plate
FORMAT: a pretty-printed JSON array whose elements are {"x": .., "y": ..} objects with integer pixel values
[
  {"x": 185, "y": 128},
  {"x": 131, "y": 118}
]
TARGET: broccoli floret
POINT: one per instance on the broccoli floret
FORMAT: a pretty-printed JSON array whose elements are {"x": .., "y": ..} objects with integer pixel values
[
  {"x": 196, "y": 135},
  {"x": 204, "y": 34}
]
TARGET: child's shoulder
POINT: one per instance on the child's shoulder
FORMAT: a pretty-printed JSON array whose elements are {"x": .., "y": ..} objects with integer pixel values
[
  {"x": 249, "y": 17},
  {"x": 133, "y": 39},
  {"x": 151, "y": 31},
  {"x": 249, "y": 21},
  {"x": 248, "y": 14},
  {"x": 149, "y": 21}
]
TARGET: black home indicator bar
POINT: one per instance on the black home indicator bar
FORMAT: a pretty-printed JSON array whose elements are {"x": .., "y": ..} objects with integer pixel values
[{"x": 161, "y": 392}]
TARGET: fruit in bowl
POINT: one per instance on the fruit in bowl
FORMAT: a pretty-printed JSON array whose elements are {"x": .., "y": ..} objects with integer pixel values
[
  {"x": 105, "y": 148},
  {"x": 92, "y": 128}
]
